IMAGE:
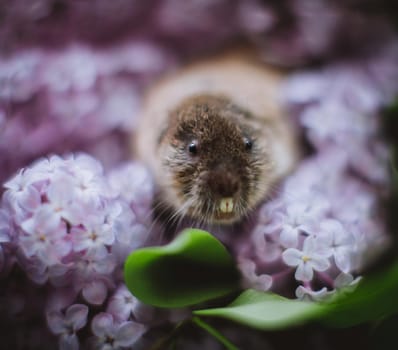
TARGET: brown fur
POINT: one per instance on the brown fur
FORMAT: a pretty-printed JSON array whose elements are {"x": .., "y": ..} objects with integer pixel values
[{"x": 220, "y": 122}]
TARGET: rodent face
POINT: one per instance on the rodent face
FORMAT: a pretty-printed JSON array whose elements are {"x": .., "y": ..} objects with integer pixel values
[{"x": 214, "y": 160}]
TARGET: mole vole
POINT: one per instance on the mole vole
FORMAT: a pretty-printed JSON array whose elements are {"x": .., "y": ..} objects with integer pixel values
[{"x": 216, "y": 138}]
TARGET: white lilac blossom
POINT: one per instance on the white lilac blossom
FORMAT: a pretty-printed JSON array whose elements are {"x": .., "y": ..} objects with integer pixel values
[
  {"x": 311, "y": 246},
  {"x": 307, "y": 260},
  {"x": 339, "y": 107},
  {"x": 327, "y": 218}
]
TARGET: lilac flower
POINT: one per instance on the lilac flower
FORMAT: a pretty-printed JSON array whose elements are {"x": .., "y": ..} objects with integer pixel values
[
  {"x": 266, "y": 244},
  {"x": 253, "y": 280},
  {"x": 69, "y": 225},
  {"x": 75, "y": 69},
  {"x": 122, "y": 304},
  {"x": 40, "y": 272},
  {"x": 18, "y": 75},
  {"x": 307, "y": 294},
  {"x": 65, "y": 325},
  {"x": 306, "y": 260},
  {"x": 92, "y": 275},
  {"x": 49, "y": 245},
  {"x": 113, "y": 335},
  {"x": 95, "y": 291},
  {"x": 298, "y": 218},
  {"x": 66, "y": 88},
  {"x": 339, "y": 107},
  {"x": 20, "y": 192},
  {"x": 346, "y": 281},
  {"x": 93, "y": 238},
  {"x": 140, "y": 189},
  {"x": 337, "y": 241},
  {"x": 332, "y": 198},
  {"x": 69, "y": 222}
]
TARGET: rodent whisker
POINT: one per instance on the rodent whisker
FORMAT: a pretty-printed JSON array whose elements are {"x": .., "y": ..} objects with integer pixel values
[
  {"x": 181, "y": 212},
  {"x": 156, "y": 215}
]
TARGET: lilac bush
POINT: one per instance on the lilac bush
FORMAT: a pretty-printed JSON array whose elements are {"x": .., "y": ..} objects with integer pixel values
[
  {"x": 72, "y": 78},
  {"x": 73, "y": 99},
  {"x": 70, "y": 228},
  {"x": 66, "y": 218},
  {"x": 326, "y": 222}
]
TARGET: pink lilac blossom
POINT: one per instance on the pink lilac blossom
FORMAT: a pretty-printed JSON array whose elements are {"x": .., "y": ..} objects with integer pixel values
[
  {"x": 46, "y": 96},
  {"x": 69, "y": 221},
  {"x": 71, "y": 227},
  {"x": 53, "y": 79},
  {"x": 72, "y": 98},
  {"x": 72, "y": 75}
]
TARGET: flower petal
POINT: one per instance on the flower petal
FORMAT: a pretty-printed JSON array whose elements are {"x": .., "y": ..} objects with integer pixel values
[
  {"x": 102, "y": 324},
  {"x": 77, "y": 316},
  {"x": 319, "y": 263},
  {"x": 342, "y": 258},
  {"x": 55, "y": 321},
  {"x": 128, "y": 333},
  {"x": 68, "y": 342},
  {"x": 289, "y": 236},
  {"x": 95, "y": 292},
  {"x": 304, "y": 272},
  {"x": 292, "y": 257}
]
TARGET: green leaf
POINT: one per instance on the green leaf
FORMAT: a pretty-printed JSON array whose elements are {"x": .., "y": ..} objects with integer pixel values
[
  {"x": 195, "y": 267},
  {"x": 266, "y": 311},
  {"x": 375, "y": 297}
]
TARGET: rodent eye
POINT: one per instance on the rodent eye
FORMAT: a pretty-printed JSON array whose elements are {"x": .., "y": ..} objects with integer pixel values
[
  {"x": 193, "y": 148},
  {"x": 248, "y": 144}
]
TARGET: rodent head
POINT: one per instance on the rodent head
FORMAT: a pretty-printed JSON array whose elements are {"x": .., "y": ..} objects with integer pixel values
[{"x": 214, "y": 160}]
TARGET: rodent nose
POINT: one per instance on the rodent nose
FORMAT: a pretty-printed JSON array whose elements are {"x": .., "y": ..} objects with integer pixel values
[{"x": 223, "y": 183}]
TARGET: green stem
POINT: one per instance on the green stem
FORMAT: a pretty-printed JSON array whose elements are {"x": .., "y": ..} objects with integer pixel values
[
  {"x": 163, "y": 343},
  {"x": 209, "y": 329}
]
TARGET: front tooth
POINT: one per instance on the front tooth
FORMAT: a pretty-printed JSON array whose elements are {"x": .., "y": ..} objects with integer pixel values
[{"x": 227, "y": 205}]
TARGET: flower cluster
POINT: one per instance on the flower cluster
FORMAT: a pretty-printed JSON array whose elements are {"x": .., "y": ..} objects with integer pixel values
[
  {"x": 290, "y": 32},
  {"x": 46, "y": 98},
  {"x": 327, "y": 221},
  {"x": 46, "y": 94},
  {"x": 322, "y": 227},
  {"x": 71, "y": 228},
  {"x": 70, "y": 224},
  {"x": 68, "y": 84}
]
